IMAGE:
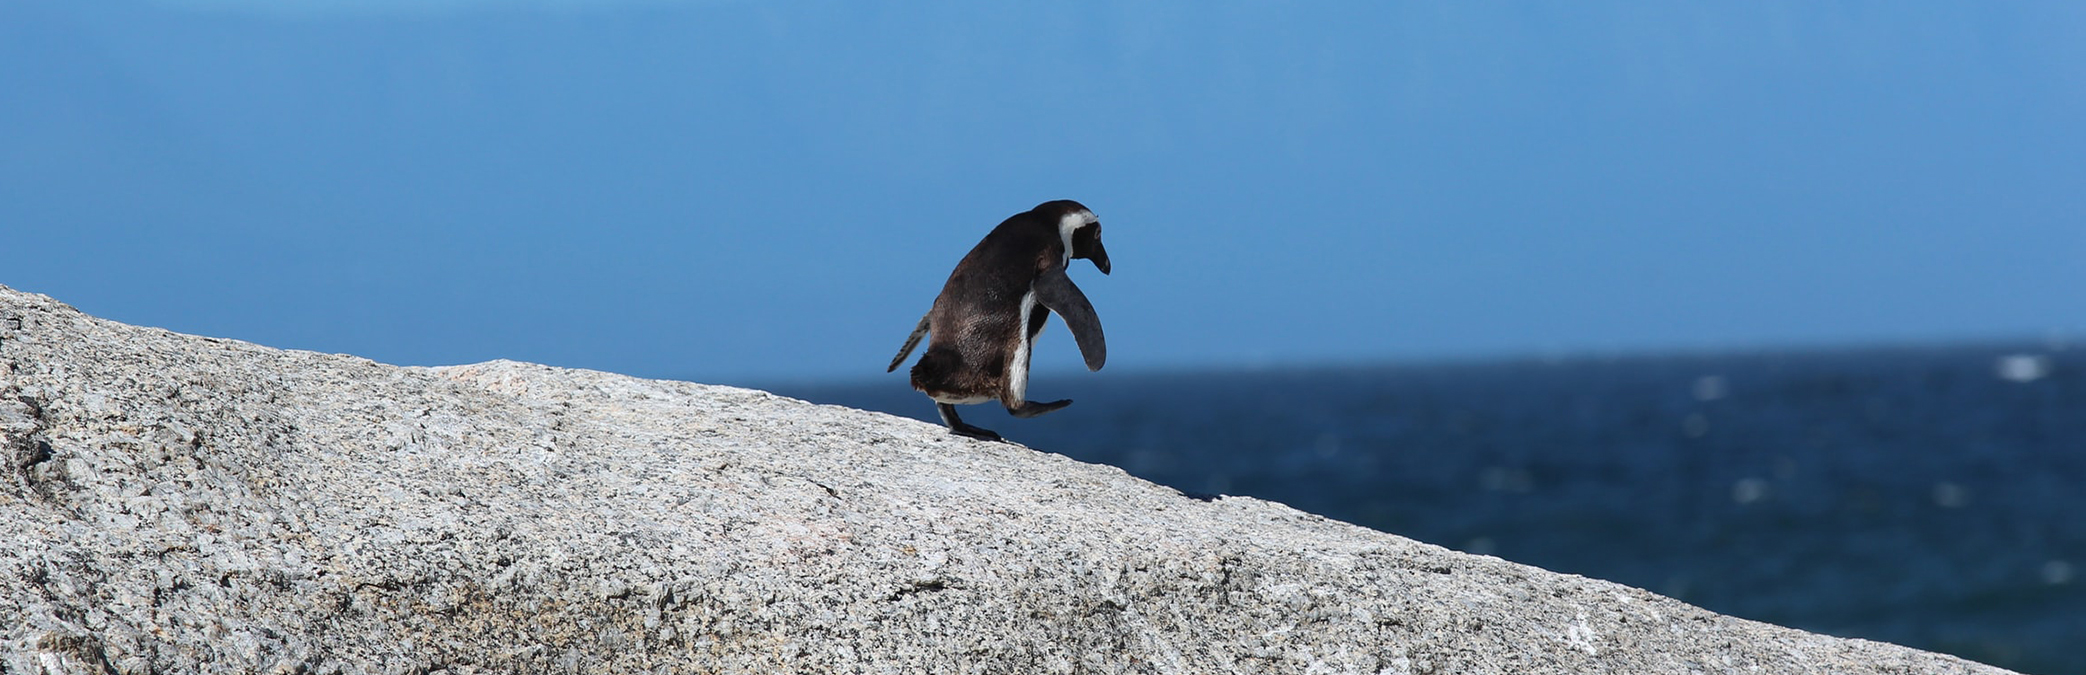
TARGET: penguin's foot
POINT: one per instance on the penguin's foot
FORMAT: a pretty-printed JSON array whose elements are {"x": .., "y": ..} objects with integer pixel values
[
  {"x": 959, "y": 427},
  {"x": 1031, "y": 408},
  {"x": 976, "y": 432}
]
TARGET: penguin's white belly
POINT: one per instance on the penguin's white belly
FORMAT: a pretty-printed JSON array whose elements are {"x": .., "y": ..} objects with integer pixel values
[{"x": 1018, "y": 370}]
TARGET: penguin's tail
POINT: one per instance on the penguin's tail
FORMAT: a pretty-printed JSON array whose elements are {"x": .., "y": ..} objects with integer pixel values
[{"x": 910, "y": 343}]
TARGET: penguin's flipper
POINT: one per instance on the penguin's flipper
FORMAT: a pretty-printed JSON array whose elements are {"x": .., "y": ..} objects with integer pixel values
[
  {"x": 910, "y": 343},
  {"x": 1055, "y": 290}
]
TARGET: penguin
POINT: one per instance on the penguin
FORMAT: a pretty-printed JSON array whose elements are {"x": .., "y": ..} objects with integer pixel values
[{"x": 984, "y": 323}]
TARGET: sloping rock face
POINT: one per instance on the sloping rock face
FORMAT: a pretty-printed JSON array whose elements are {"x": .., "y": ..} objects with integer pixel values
[{"x": 183, "y": 504}]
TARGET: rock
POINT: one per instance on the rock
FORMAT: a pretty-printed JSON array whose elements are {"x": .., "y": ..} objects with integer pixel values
[{"x": 198, "y": 505}]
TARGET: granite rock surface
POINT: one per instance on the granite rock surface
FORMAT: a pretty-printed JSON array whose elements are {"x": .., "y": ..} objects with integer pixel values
[{"x": 181, "y": 504}]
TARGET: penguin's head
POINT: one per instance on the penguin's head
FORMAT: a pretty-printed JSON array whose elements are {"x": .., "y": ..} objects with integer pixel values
[
  {"x": 1082, "y": 233},
  {"x": 1086, "y": 243}
]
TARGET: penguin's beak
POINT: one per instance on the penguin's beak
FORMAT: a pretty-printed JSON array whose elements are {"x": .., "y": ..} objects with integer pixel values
[{"x": 1099, "y": 255}]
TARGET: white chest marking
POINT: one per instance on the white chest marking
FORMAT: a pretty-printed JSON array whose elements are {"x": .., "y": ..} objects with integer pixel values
[{"x": 1018, "y": 368}]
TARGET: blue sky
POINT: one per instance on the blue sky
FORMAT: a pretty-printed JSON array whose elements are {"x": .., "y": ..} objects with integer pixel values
[{"x": 730, "y": 191}]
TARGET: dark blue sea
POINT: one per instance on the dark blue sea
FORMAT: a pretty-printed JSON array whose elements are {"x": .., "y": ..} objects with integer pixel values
[{"x": 1930, "y": 497}]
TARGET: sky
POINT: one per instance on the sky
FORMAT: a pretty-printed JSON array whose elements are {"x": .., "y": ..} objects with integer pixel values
[{"x": 759, "y": 191}]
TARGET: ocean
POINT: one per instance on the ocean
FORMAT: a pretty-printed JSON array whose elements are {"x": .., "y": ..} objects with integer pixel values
[{"x": 1933, "y": 497}]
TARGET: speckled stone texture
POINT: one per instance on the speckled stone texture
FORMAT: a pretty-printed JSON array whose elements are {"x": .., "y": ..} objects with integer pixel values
[{"x": 178, "y": 504}]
